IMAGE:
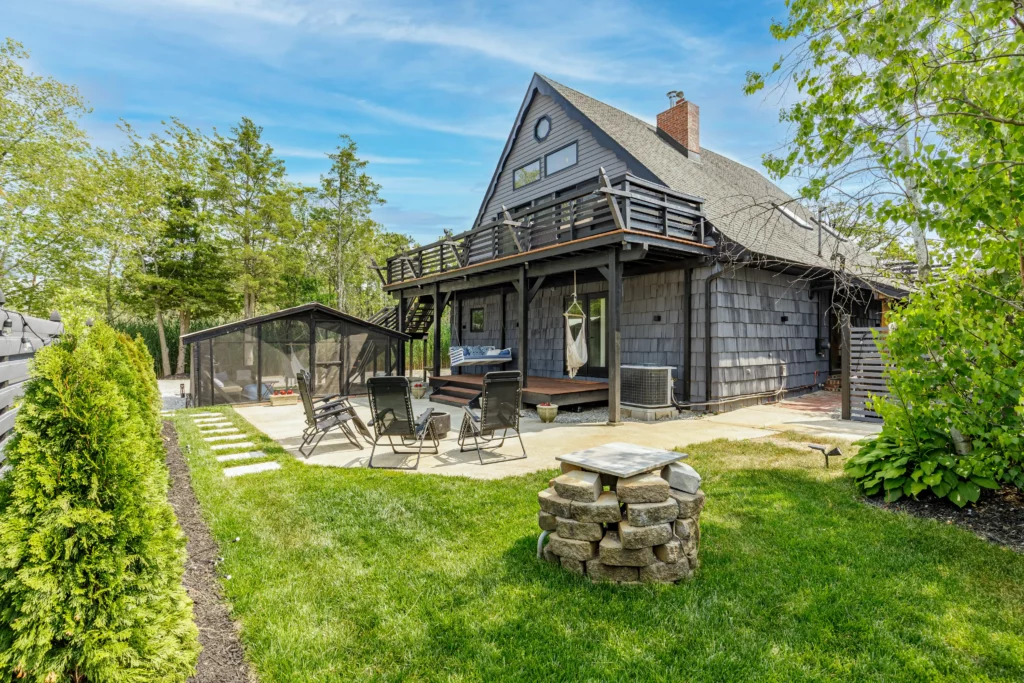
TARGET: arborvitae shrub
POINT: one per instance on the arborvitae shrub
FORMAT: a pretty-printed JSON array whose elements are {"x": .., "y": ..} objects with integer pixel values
[{"x": 91, "y": 557}]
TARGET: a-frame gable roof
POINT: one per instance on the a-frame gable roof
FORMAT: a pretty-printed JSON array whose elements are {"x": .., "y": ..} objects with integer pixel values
[
  {"x": 542, "y": 86},
  {"x": 739, "y": 201}
]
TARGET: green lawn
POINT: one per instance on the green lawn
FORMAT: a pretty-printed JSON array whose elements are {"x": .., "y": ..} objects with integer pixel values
[{"x": 357, "y": 574}]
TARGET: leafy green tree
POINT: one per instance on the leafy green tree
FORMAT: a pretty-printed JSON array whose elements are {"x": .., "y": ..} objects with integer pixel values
[
  {"x": 92, "y": 558},
  {"x": 911, "y": 112},
  {"x": 253, "y": 201},
  {"x": 44, "y": 188}
]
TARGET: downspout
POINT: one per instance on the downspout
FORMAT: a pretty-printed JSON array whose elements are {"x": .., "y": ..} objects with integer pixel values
[{"x": 716, "y": 273}]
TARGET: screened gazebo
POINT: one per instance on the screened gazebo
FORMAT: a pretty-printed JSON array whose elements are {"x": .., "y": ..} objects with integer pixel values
[{"x": 246, "y": 361}]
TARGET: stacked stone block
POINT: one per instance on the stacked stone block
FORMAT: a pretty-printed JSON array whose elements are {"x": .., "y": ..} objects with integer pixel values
[{"x": 644, "y": 528}]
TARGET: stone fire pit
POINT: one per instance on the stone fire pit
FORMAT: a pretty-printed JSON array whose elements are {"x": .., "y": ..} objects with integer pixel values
[{"x": 623, "y": 513}]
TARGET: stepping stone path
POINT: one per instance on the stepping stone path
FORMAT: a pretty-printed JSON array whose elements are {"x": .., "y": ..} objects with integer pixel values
[
  {"x": 226, "y": 446},
  {"x": 199, "y": 415},
  {"x": 248, "y": 455},
  {"x": 251, "y": 469},
  {"x": 225, "y": 437},
  {"x": 218, "y": 430},
  {"x": 214, "y": 425}
]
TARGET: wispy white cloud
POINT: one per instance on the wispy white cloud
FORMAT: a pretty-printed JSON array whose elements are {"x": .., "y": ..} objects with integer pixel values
[{"x": 310, "y": 153}]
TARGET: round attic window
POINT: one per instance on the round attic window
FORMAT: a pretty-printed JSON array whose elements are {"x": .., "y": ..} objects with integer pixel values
[{"x": 543, "y": 127}]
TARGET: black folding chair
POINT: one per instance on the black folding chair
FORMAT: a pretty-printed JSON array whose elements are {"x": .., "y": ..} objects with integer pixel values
[
  {"x": 391, "y": 406},
  {"x": 323, "y": 415},
  {"x": 337, "y": 400},
  {"x": 496, "y": 409}
]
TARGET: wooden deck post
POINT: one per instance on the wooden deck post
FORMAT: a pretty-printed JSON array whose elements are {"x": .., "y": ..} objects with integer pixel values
[
  {"x": 614, "y": 335},
  {"x": 400, "y": 325},
  {"x": 456, "y": 325},
  {"x": 524, "y": 324},
  {"x": 846, "y": 351},
  {"x": 438, "y": 305}
]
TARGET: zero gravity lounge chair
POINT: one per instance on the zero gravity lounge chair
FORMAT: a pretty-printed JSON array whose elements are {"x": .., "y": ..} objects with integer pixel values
[
  {"x": 391, "y": 407},
  {"x": 498, "y": 411},
  {"x": 323, "y": 415}
]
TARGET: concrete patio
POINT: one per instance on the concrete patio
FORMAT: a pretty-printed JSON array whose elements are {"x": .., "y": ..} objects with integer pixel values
[{"x": 810, "y": 415}]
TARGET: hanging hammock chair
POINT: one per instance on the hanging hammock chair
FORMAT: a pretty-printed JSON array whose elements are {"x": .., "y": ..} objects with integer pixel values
[{"x": 575, "y": 342}]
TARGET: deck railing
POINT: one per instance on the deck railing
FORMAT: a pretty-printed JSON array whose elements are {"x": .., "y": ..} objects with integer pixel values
[{"x": 628, "y": 203}]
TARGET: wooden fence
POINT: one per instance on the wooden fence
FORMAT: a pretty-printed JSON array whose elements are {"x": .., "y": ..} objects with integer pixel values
[
  {"x": 20, "y": 337},
  {"x": 863, "y": 371}
]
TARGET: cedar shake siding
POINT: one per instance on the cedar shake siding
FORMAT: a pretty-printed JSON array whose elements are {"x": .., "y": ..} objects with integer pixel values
[{"x": 749, "y": 338}]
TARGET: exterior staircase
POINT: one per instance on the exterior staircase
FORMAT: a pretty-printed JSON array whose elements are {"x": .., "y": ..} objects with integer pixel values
[
  {"x": 418, "y": 318},
  {"x": 444, "y": 391}
]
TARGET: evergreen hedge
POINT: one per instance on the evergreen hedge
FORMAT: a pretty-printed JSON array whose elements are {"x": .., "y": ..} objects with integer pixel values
[{"x": 91, "y": 557}]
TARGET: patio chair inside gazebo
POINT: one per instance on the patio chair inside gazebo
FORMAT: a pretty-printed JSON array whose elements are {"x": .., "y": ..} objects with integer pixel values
[{"x": 246, "y": 361}]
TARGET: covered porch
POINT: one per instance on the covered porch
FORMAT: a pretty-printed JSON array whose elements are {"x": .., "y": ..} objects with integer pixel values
[
  {"x": 457, "y": 390},
  {"x": 594, "y": 235}
]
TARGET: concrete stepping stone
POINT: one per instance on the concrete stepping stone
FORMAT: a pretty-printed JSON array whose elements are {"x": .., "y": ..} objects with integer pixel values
[
  {"x": 213, "y": 418},
  {"x": 228, "y": 446},
  {"x": 225, "y": 437},
  {"x": 251, "y": 469},
  {"x": 215, "y": 425},
  {"x": 219, "y": 430},
  {"x": 248, "y": 455},
  {"x": 202, "y": 415}
]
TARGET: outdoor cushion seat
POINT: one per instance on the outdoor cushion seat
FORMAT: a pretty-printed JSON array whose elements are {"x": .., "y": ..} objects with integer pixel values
[{"x": 478, "y": 355}]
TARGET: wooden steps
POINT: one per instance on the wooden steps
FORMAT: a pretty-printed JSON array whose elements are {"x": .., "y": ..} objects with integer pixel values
[
  {"x": 451, "y": 394},
  {"x": 457, "y": 390}
]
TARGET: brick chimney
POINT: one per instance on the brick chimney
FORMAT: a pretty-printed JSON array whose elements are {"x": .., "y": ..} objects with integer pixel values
[{"x": 681, "y": 123}]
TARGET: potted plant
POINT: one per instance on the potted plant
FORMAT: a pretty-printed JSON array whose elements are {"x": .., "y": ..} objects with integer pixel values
[
  {"x": 547, "y": 411},
  {"x": 419, "y": 390},
  {"x": 283, "y": 397}
]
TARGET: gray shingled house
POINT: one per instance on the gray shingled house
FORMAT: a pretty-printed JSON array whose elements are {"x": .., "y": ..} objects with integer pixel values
[{"x": 693, "y": 269}]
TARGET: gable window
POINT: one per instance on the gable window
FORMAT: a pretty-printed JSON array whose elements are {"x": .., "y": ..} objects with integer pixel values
[
  {"x": 541, "y": 130},
  {"x": 524, "y": 175},
  {"x": 476, "y": 320},
  {"x": 561, "y": 159}
]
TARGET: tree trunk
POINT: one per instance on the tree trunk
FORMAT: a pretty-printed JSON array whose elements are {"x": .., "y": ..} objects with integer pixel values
[
  {"x": 340, "y": 279},
  {"x": 184, "y": 321},
  {"x": 250, "y": 304},
  {"x": 165, "y": 356},
  {"x": 917, "y": 232}
]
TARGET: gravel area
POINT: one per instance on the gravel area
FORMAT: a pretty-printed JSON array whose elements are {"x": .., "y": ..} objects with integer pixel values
[
  {"x": 222, "y": 659},
  {"x": 598, "y": 415}
]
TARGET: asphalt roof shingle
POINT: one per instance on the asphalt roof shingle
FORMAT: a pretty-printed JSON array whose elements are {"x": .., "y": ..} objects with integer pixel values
[{"x": 739, "y": 201}]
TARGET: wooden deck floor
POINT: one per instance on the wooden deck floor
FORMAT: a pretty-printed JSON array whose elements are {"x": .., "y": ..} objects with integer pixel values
[{"x": 563, "y": 392}]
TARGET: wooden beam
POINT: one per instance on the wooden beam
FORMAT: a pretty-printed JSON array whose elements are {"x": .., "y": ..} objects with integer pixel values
[
  {"x": 438, "y": 309},
  {"x": 612, "y": 204},
  {"x": 613, "y": 338},
  {"x": 504, "y": 319},
  {"x": 379, "y": 270},
  {"x": 522, "y": 285},
  {"x": 687, "y": 332},
  {"x": 512, "y": 227},
  {"x": 536, "y": 287},
  {"x": 400, "y": 324},
  {"x": 456, "y": 324},
  {"x": 847, "y": 360}
]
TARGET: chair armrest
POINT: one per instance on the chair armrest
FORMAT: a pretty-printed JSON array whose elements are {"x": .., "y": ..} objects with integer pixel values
[
  {"x": 471, "y": 413},
  {"x": 341, "y": 402},
  {"x": 425, "y": 417},
  {"x": 474, "y": 402},
  {"x": 329, "y": 399},
  {"x": 343, "y": 413}
]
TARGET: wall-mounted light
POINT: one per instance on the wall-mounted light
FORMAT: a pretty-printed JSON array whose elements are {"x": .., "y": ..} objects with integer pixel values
[
  {"x": 785, "y": 318},
  {"x": 657, "y": 318}
]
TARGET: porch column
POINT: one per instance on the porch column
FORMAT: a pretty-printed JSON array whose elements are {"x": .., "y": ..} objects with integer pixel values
[
  {"x": 456, "y": 324},
  {"x": 524, "y": 324},
  {"x": 438, "y": 305},
  {"x": 401, "y": 328},
  {"x": 613, "y": 338}
]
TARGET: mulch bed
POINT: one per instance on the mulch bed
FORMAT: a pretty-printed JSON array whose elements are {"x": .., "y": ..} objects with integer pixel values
[
  {"x": 222, "y": 659},
  {"x": 998, "y": 516}
]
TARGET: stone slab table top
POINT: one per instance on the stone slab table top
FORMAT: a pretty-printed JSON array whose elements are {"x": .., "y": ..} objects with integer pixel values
[{"x": 621, "y": 459}]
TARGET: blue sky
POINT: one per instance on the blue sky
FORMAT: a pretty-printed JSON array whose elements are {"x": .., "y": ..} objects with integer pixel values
[{"x": 428, "y": 90}]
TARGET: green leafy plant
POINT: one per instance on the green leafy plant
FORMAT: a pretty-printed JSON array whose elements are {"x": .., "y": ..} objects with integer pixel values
[{"x": 92, "y": 558}]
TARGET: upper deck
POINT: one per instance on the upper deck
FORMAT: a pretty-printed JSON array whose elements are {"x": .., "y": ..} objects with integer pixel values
[{"x": 627, "y": 209}]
